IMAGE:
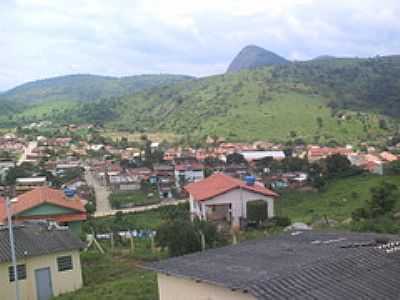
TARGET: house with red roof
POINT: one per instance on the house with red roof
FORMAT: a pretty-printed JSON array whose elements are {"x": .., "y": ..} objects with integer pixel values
[
  {"x": 44, "y": 203},
  {"x": 220, "y": 197},
  {"x": 316, "y": 153}
]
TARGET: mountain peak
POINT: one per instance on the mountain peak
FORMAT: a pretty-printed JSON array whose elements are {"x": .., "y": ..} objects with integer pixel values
[{"x": 252, "y": 56}]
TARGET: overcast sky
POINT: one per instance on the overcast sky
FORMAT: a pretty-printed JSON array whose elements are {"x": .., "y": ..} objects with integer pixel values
[{"x": 44, "y": 38}]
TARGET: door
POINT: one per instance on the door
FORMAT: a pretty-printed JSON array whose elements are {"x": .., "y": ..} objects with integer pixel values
[{"x": 44, "y": 289}]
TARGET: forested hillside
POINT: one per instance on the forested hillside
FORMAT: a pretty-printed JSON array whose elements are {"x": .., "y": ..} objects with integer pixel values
[
  {"x": 85, "y": 87},
  {"x": 326, "y": 100},
  {"x": 317, "y": 101}
]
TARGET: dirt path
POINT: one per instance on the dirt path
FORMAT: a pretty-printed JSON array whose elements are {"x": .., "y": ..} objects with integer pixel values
[
  {"x": 102, "y": 203},
  {"x": 99, "y": 214}
]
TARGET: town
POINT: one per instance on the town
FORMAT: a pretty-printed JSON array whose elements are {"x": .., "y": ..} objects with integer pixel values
[
  {"x": 199, "y": 150},
  {"x": 121, "y": 199}
]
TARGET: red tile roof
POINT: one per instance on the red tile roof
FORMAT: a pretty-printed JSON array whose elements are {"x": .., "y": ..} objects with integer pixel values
[
  {"x": 40, "y": 196},
  {"x": 218, "y": 184},
  {"x": 57, "y": 218},
  {"x": 326, "y": 151},
  {"x": 189, "y": 166}
]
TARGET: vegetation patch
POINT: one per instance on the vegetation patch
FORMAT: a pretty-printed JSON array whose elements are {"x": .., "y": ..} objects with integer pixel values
[
  {"x": 113, "y": 277},
  {"x": 133, "y": 199},
  {"x": 336, "y": 200}
]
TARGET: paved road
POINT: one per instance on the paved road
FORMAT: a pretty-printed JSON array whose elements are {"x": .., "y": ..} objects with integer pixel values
[
  {"x": 102, "y": 203},
  {"x": 27, "y": 151},
  {"x": 112, "y": 212},
  {"x": 103, "y": 207}
]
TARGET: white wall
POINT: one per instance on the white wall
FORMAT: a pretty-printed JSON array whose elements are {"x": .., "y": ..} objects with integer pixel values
[
  {"x": 174, "y": 288},
  {"x": 238, "y": 198},
  {"x": 62, "y": 282},
  {"x": 190, "y": 175}
]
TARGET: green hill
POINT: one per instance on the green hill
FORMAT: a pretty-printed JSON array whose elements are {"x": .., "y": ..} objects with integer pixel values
[
  {"x": 85, "y": 87},
  {"x": 325, "y": 101},
  {"x": 252, "y": 57},
  {"x": 337, "y": 201}
]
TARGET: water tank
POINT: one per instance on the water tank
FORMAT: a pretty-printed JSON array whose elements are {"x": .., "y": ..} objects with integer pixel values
[
  {"x": 250, "y": 180},
  {"x": 69, "y": 192}
]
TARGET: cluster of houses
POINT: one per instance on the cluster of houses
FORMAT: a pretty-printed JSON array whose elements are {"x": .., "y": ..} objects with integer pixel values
[
  {"x": 299, "y": 264},
  {"x": 12, "y": 144},
  {"x": 251, "y": 151},
  {"x": 166, "y": 176},
  {"x": 372, "y": 161}
]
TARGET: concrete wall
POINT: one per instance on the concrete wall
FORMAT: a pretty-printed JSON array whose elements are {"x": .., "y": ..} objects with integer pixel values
[
  {"x": 238, "y": 198},
  {"x": 62, "y": 282},
  {"x": 174, "y": 288},
  {"x": 190, "y": 175}
]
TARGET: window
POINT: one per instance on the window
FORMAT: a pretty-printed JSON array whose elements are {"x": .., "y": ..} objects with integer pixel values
[
  {"x": 64, "y": 263},
  {"x": 21, "y": 272}
]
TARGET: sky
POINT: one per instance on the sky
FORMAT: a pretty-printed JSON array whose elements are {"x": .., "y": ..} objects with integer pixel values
[{"x": 46, "y": 38}]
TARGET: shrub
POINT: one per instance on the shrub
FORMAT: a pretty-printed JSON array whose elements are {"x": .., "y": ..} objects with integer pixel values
[{"x": 257, "y": 211}]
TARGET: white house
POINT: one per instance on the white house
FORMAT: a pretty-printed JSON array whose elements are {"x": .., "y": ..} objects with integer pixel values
[
  {"x": 189, "y": 172},
  {"x": 224, "y": 198}
]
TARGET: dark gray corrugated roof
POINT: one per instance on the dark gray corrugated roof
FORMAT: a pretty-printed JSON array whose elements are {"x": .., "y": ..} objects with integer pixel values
[
  {"x": 310, "y": 265},
  {"x": 35, "y": 239}
]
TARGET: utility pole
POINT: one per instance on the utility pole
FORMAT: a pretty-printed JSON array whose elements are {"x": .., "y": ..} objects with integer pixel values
[{"x": 11, "y": 240}]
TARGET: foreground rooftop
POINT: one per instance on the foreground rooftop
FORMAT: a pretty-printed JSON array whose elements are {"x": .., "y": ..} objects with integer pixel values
[
  {"x": 37, "y": 238},
  {"x": 299, "y": 265}
]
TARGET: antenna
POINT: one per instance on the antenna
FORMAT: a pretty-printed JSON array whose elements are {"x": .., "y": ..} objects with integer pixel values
[{"x": 12, "y": 244}]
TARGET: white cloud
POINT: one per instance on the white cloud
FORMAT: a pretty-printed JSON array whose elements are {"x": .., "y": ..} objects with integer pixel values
[{"x": 42, "y": 38}]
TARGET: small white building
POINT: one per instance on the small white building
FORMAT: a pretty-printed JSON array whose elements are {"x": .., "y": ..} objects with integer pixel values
[
  {"x": 189, "y": 172},
  {"x": 48, "y": 261},
  {"x": 257, "y": 155},
  {"x": 224, "y": 198}
]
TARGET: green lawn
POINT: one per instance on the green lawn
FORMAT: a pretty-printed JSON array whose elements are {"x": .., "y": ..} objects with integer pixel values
[
  {"x": 113, "y": 277},
  {"x": 150, "y": 219},
  {"x": 133, "y": 198},
  {"x": 337, "y": 201}
]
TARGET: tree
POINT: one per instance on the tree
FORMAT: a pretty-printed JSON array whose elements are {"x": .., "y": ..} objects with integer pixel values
[
  {"x": 383, "y": 199},
  {"x": 235, "y": 158},
  {"x": 24, "y": 170},
  {"x": 320, "y": 122},
  {"x": 211, "y": 161},
  {"x": 180, "y": 237},
  {"x": 394, "y": 167},
  {"x": 383, "y": 124},
  {"x": 382, "y": 202},
  {"x": 337, "y": 164}
]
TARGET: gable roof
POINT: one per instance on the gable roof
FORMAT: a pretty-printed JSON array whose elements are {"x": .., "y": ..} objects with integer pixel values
[
  {"x": 35, "y": 239},
  {"x": 218, "y": 184},
  {"x": 190, "y": 166},
  {"x": 40, "y": 196},
  {"x": 300, "y": 265}
]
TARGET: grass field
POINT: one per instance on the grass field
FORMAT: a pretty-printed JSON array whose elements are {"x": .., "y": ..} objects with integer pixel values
[
  {"x": 148, "y": 220},
  {"x": 337, "y": 201},
  {"x": 136, "y": 137},
  {"x": 132, "y": 198},
  {"x": 115, "y": 277}
]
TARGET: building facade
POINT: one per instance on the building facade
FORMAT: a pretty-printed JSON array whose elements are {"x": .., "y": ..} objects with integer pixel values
[{"x": 48, "y": 262}]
